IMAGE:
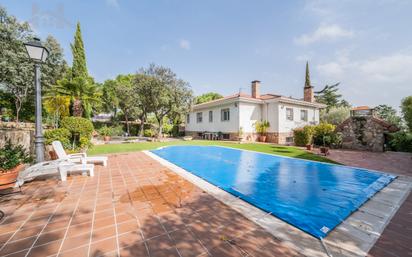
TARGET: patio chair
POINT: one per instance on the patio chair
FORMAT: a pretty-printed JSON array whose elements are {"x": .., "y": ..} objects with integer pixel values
[
  {"x": 77, "y": 157},
  {"x": 61, "y": 166}
]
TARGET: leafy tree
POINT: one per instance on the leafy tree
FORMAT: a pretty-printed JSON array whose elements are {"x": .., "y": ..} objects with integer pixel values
[
  {"x": 79, "y": 68},
  {"x": 165, "y": 94},
  {"x": 16, "y": 70},
  {"x": 336, "y": 115},
  {"x": 329, "y": 95},
  {"x": 406, "y": 108},
  {"x": 109, "y": 98},
  {"x": 207, "y": 97},
  {"x": 388, "y": 113},
  {"x": 55, "y": 66},
  {"x": 142, "y": 86},
  {"x": 127, "y": 99}
]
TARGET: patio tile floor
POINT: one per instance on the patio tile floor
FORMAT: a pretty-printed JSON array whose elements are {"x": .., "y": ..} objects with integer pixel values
[{"x": 133, "y": 207}]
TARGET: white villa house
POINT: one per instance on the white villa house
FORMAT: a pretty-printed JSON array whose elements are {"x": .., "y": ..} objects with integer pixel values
[{"x": 228, "y": 115}]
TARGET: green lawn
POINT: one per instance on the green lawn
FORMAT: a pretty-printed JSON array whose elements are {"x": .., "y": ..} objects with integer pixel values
[{"x": 265, "y": 148}]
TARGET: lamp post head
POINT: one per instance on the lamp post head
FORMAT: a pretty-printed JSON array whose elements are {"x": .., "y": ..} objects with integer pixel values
[{"x": 36, "y": 51}]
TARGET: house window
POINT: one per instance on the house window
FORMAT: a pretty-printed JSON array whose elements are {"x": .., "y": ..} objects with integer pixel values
[
  {"x": 225, "y": 114},
  {"x": 289, "y": 113},
  {"x": 188, "y": 118},
  {"x": 289, "y": 140},
  {"x": 199, "y": 117},
  {"x": 210, "y": 116},
  {"x": 304, "y": 115}
]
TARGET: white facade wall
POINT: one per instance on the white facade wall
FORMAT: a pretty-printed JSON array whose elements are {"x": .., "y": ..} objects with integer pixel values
[
  {"x": 272, "y": 116},
  {"x": 217, "y": 125},
  {"x": 243, "y": 114},
  {"x": 286, "y": 125},
  {"x": 249, "y": 113}
]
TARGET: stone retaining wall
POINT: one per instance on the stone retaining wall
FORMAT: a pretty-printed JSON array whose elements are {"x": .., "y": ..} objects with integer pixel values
[{"x": 19, "y": 133}]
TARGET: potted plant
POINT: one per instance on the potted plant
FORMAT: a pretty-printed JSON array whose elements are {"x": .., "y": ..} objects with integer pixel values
[
  {"x": 323, "y": 135},
  {"x": 12, "y": 160},
  {"x": 240, "y": 135},
  {"x": 106, "y": 132},
  {"x": 324, "y": 149},
  {"x": 261, "y": 128}
]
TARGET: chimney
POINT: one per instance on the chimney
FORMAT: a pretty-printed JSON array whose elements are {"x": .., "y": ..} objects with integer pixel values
[
  {"x": 308, "y": 94},
  {"x": 256, "y": 89}
]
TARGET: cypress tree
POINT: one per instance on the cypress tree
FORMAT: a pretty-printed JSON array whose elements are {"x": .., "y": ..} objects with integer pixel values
[
  {"x": 79, "y": 69},
  {"x": 307, "y": 77}
]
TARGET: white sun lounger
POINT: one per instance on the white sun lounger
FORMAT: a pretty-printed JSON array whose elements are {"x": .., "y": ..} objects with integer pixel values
[
  {"x": 77, "y": 157},
  {"x": 62, "y": 166}
]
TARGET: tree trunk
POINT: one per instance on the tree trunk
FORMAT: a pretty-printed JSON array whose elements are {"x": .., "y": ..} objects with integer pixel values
[
  {"x": 141, "y": 129},
  {"x": 160, "y": 131},
  {"x": 77, "y": 108},
  {"x": 127, "y": 124},
  {"x": 17, "y": 103}
]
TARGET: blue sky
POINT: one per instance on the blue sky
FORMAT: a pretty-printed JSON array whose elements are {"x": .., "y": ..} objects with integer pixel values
[{"x": 222, "y": 45}]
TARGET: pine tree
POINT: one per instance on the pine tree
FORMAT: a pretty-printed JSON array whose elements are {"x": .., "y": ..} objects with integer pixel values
[
  {"x": 79, "y": 69},
  {"x": 307, "y": 77}
]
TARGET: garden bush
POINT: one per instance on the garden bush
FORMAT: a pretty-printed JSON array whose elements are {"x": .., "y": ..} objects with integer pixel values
[
  {"x": 401, "y": 141},
  {"x": 149, "y": 133},
  {"x": 81, "y": 130},
  {"x": 61, "y": 134},
  {"x": 303, "y": 136},
  {"x": 105, "y": 131},
  {"x": 325, "y": 135},
  {"x": 118, "y": 130}
]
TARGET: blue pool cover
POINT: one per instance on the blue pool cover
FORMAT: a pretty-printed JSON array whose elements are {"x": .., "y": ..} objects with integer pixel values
[{"x": 312, "y": 196}]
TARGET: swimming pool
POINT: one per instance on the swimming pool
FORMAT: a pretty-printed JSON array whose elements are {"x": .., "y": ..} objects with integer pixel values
[{"x": 312, "y": 196}]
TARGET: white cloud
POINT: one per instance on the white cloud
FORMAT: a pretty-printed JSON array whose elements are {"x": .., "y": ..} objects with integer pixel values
[
  {"x": 184, "y": 44},
  {"x": 379, "y": 80},
  {"x": 324, "y": 33},
  {"x": 113, "y": 3}
]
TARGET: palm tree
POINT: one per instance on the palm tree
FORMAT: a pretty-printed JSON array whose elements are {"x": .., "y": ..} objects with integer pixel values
[{"x": 85, "y": 94}]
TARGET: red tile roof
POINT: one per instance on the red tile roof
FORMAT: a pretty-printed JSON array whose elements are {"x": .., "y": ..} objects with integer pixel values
[{"x": 359, "y": 108}]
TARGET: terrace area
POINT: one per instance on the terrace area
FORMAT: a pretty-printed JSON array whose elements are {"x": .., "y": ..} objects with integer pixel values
[
  {"x": 132, "y": 207},
  {"x": 137, "y": 207}
]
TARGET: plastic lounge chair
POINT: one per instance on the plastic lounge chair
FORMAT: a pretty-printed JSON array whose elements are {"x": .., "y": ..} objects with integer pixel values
[
  {"x": 61, "y": 166},
  {"x": 77, "y": 157}
]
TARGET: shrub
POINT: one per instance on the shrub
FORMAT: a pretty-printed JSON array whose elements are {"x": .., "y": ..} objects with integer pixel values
[
  {"x": 325, "y": 135},
  {"x": 12, "y": 155},
  {"x": 105, "y": 131},
  {"x": 118, "y": 130},
  {"x": 167, "y": 128},
  {"x": 401, "y": 141},
  {"x": 303, "y": 136},
  {"x": 149, "y": 133},
  {"x": 81, "y": 130},
  {"x": 61, "y": 134}
]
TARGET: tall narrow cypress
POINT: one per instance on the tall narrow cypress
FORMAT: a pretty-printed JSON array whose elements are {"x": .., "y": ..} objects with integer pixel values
[
  {"x": 307, "y": 77},
  {"x": 79, "y": 69}
]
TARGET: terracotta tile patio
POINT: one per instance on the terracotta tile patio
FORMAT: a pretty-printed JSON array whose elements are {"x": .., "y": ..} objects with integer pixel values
[{"x": 133, "y": 207}]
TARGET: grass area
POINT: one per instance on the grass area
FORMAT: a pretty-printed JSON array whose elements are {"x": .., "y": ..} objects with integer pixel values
[{"x": 289, "y": 151}]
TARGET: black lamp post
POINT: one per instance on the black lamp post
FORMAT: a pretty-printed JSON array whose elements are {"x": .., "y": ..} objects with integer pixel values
[{"x": 38, "y": 53}]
